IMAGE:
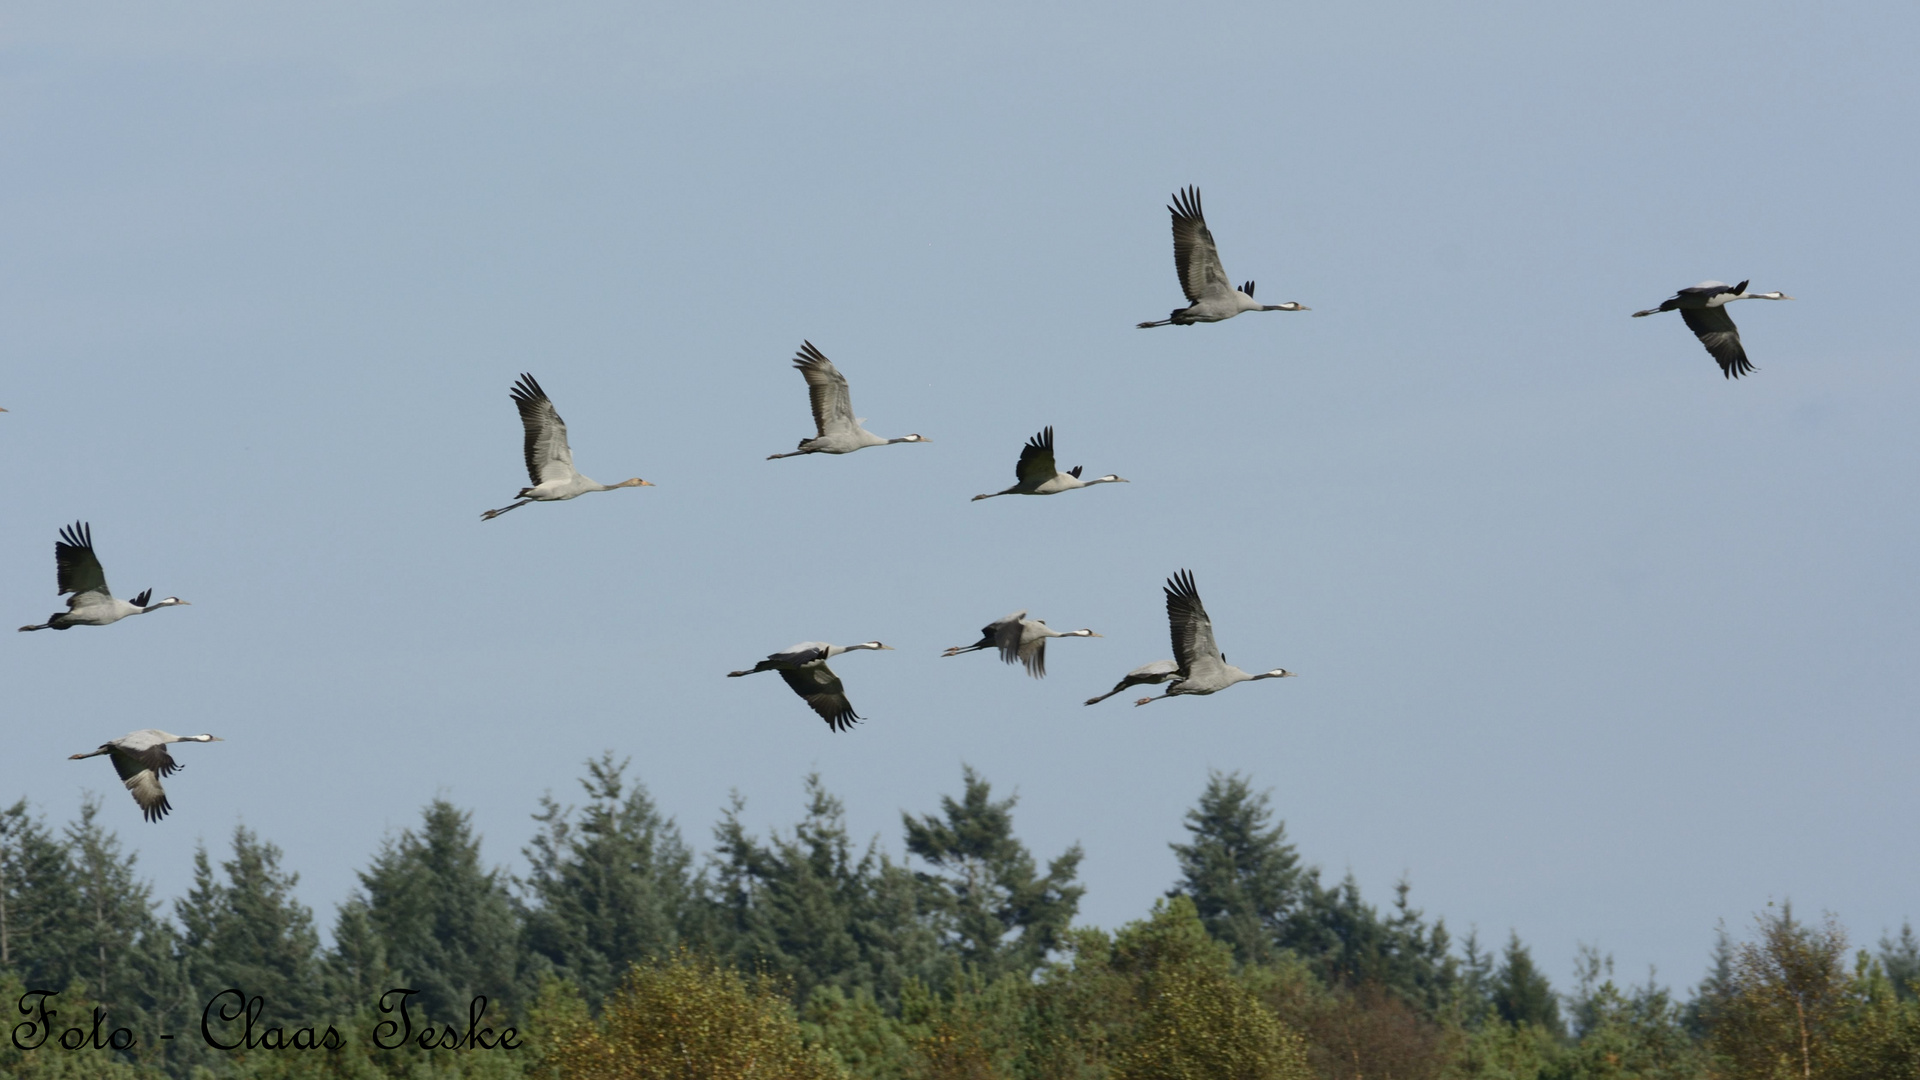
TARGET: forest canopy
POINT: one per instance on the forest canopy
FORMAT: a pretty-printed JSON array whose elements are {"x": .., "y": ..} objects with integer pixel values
[{"x": 621, "y": 951}]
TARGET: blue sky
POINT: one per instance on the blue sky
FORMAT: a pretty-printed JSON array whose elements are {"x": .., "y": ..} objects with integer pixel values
[{"x": 1595, "y": 645}]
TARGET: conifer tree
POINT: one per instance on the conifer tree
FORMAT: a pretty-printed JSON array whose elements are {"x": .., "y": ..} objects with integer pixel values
[
  {"x": 122, "y": 952},
  {"x": 38, "y": 898},
  {"x": 609, "y": 886},
  {"x": 1521, "y": 993},
  {"x": 806, "y": 908},
  {"x": 1901, "y": 959},
  {"x": 356, "y": 967},
  {"x": 1242, "y": 875},
  {"x": 995, "y": 910},
  {"x": 448, "y": 925},
  {"x": 249, "y": 933}
]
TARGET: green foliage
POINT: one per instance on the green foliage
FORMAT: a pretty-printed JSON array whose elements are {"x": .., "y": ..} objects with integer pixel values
[
  {"x": 1637, "y": 1035},
  {"x": 996, "y": 915},
  {"x": 124, "y": 953},
  {"x": 1900, "y": 958},
  {"x": 448, "y": 926},
  {"x": 869, "y": 1041},
  {"x": 1503, "y": 1052},
  {"x": 976, "y": 1032},
  {"x": 687, "y": 1018},
  {"x": 1522, "y": 995},
  {"x": 805, "y": 908},
  {"x": 1363, "y": 1031},
  {"x": 38, "y": 894},
  {"x": 50, "y": 1061},
  {"x": 249, "y": 932},
  {"x": 1238, "y": 869},
  {"x": 1193, "y": 1020},
  {"x": 968, "y": 970},
  {"x": 609, "y": 885},
  {"x": 1880, "y": 1037}
]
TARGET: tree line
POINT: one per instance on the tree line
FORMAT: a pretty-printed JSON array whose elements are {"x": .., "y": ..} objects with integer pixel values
[{"x": 621, "y": 952}]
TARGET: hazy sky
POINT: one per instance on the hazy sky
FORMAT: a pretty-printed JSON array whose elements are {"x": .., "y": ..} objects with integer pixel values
[{"x": 1594, "y": 644}]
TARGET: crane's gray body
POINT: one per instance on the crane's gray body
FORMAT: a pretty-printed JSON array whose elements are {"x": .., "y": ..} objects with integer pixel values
[
  {"x": 837, "y": 430},
  {"x": 1703, "y": 308},
  {"x": 549, "y": 457},
  {"x": 141, "y": 759},
  {"x": 77, "y": 570},
  {"x": 1201, "y": 668},
  {"x": 1039, "y": 475},
  {"x": 1019, "y": 639},
  {"x": 804, "y": 669},
  {"x": 1210, "y": 294}
]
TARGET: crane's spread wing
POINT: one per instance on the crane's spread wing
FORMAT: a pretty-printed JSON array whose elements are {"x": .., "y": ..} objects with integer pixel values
[
  {"x": 1194, "y": 255},
  {"x": 1193, "y": 642},
  {"x": 76, "y": 567},
  {"x": 826, "y": 389},
  {"x": 1006, "y": 635},
  {"x": 1715, "y": 329},
  {"x": 1036, "y": 459},
  {"x": 821, "y": 688},
  {"x": 1034, "y": 655},
  {"x": 141, "y": 770},
  {"x": 548, "y": 456}
]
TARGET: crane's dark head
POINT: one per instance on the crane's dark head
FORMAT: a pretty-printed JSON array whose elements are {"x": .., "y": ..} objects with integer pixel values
[
  {"x": 1276, "y": 673},
  {"x": 170, "y": 601},
  {"x": 911, "y": 438},
  {"x": 635, "y": 482},
  {"x": 871, "y": 645},
  {"x": 201, "y": 738},
  {"x": 1081, "y": 633}
]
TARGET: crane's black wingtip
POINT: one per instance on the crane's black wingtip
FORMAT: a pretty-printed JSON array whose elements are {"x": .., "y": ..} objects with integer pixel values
[{"x": 527, "y": 388}]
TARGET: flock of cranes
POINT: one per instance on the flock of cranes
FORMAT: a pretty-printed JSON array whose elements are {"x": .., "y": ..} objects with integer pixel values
[{"x": 1198, "y": 667}]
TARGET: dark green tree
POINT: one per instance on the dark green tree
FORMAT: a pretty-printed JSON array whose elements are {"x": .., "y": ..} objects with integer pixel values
[
  {"x": 1714, "y": 988},
  {"x": 1472, "y": 999},
  {"x": 1347, "y": 942},
  {"x": 1242, "y": 875},
  {"x": 1901, "y": 959},
  {"x": 357, "y": 968},
  {"x": 806, "y": 908},
  {"x": 123, "y": 953},
  {"x": 1636, "y": 1033},
  {"x": 247, "y": 932},
  {"x": 609, "y": 886},
  {"x": 1521, "y": 993},
  {"x": 448, "y": 925},
  {"x": 38, "y": 897},
  {"x": 994, "y": 910}
]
